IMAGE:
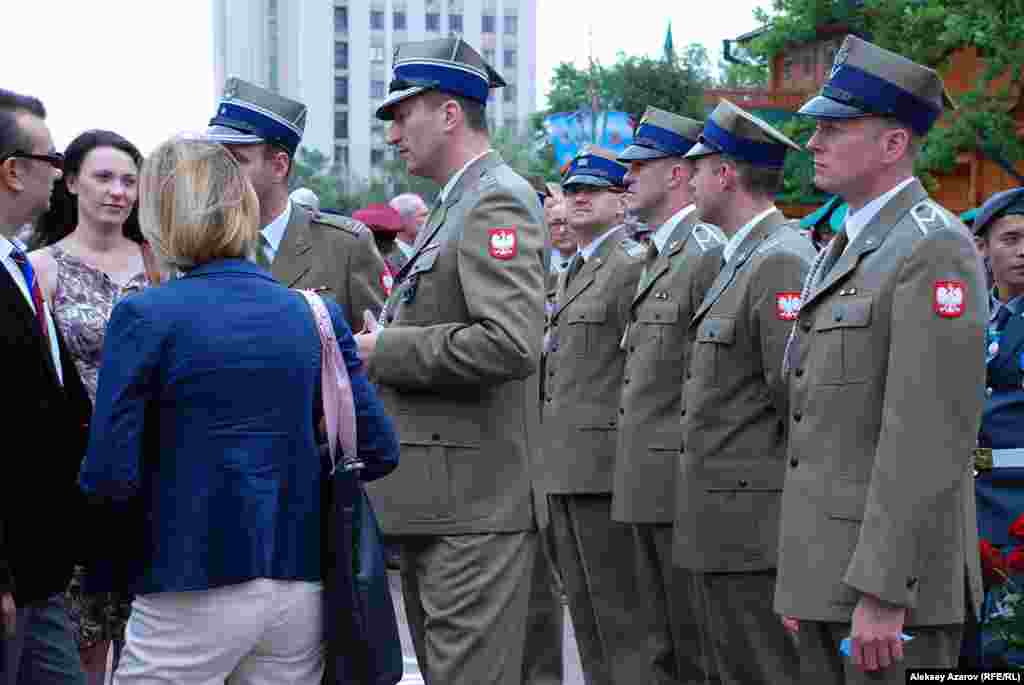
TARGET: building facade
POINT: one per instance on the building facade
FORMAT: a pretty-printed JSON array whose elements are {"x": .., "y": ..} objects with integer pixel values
[{"x": 335, "y": 55}]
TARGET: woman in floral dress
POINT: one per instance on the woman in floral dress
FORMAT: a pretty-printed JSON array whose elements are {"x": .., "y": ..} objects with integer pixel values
[{"x": 90, "y": 257}]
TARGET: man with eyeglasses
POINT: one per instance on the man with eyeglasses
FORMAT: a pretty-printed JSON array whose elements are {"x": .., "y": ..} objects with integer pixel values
[{"x": 40, "y": 506}]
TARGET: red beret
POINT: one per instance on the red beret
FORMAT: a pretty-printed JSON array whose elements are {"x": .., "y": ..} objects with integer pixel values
[{"x": 380, "y": 218}]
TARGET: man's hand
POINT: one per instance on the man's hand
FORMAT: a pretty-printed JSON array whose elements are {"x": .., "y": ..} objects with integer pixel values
[
  {"x": 366, "y": 339},
  {"x": 8, "y": 614},
  {"x": 875, "y": 638}
]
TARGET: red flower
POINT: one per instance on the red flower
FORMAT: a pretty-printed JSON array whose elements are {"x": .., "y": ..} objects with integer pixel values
[
  {"x": 1017, "y": 528},
  {"x": 1015, "y": 561},
  {"x": 993, "y": 563}
]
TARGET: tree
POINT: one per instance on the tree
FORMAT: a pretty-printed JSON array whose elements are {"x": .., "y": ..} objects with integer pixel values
[{"x": 928, "y": 32}]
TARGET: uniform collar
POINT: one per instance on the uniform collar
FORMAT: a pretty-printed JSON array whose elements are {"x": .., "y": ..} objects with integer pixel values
[
  {"x": 737, "y": 239},
  {"x": 588, "y": 251},
  {"x": 458, "y": 174},
  {"x": 559, "y": 262},
  {"x": 274, "y": 231},
  {"x": 664, "y": 232},
  {"x": 856, "y": 221}
]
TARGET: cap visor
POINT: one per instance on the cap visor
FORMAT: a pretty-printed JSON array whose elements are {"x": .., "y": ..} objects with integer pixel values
[
  {"x": 827, "y": 108},
  {"x": 635, "y": 152},
  {"x": 585, "y": 180},
  {"x": 384, "y": 111},
  {"x": 700, "y": 150},
  {"x": 229, "y": 136}
]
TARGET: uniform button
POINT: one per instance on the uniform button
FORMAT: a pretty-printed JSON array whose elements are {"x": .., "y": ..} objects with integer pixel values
[
  {"x": 621, "y": 411},
  {"x": 633, "y": 318},
  {"x": 625, "y": 381},
  {"x": 794, "y": 462},
  {"x": 631, "y": 349},
  {"x": 744, "y": 483},
  {"x": 911, "y": 582},
  {"x": 657, "y": 316},
  {"x": 797, "y": 416},
  {"x": 554, "y": 348},
  {"x": 435, "y": 436},
  {"x": 798, "y": 373},
  {"x": 548, "y": 400},
  {"x": 682, "y": 413},
  {"x": 612, "y": 423},
  {"x": 805, "y": 325}
]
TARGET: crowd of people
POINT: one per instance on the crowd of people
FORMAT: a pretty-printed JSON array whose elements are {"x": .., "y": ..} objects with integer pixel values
[{"x": 738, "y": 454}]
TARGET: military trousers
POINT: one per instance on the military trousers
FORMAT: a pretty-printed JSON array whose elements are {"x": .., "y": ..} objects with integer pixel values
[
  {"x": 673, "y": 597},
  {"x": 545, "y": 622},
  {"x": 466, "y": 599},
  {"x": 821, "y": 663},
  {"x": 750, "y": 645},
  {"x": 596, "y": 557}
]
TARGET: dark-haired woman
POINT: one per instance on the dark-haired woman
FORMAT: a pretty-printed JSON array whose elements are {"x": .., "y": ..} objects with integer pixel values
[{"x": 90, "y": 256}]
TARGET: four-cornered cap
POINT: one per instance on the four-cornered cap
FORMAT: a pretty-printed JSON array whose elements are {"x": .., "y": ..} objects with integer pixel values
[
  {"x": 999, "y": 205},
  {"x": 250, "y": 114},
  {"x": 449, "y": 65},
  {"x": 595, "y": 166},
  {"x": 380, "y": 218},
  {"x": 662, "y": 134},
  {"x": 867, "y": 80},
  {"x": 732, "y": 131}
]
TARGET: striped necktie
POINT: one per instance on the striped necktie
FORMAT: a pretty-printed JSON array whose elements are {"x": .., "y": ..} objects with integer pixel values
[{"x": 29, "y": 273}]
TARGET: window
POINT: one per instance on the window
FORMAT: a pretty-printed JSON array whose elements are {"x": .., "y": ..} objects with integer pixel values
[
  {"x": 377, "y": 53},
  {"x": 510, "y": 93},
  {"x": 433, "y": 21},
  {"x": 376, "y": 156},
  {"x": 511, "y": 24},
  {"x": 455, "y": 23},
  {"x": 378, "y": 89},
  {"x": 489, "y": 56},
  {"x": 340, "y": 54},
  {"x": 341, "y": 19},
  {"x": 341, "y": 90},
  {"x": 510, "y": 124},
  {"x": 398, "y": 21},
  {"x": 341, "y": 155},
  {"x": 341, "y": 124},
  {"x": 488, "y": 23},
  {"x": 510, "y": 58},
  {"x": 377, "y": 20}
]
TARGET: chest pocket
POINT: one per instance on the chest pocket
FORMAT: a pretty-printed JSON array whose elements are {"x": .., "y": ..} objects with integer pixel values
[
  {"x": 658, "y": 323},
  {"x": 842, "y": 331},
  {"x": 583, "y": 324},
  {"x": 715, "y": 338}
]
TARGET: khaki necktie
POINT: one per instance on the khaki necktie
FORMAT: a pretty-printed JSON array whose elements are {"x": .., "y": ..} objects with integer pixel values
[
  {"x": 652, "y": 256},
  {"x": 836, "y": 251},
  {"x": 574, "y": 267},
  {"x": 261, "y": 252}
]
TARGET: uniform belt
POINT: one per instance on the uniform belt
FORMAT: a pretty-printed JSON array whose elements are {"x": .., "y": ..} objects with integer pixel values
[{"x": 986, "y": 459}]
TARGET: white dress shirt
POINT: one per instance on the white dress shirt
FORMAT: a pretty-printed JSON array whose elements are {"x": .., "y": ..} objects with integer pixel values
[
  {"x": 559, "y": 262},
  {"x": 590, "y": 249},
  {"x": 6, "y": 247},
  {"x": 856, "y": 221},
  {"x": 458, "y": 174},
  {"x": 737, "y": 239},
  {"x": 274, "y": 233},
  {"x": 406, "y": 248},
  {"x": 661, "y": 236}
]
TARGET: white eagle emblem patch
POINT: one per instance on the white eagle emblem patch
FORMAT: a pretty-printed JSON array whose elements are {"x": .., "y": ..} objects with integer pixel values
[
  {"x": 787, "y": 305},
  {"x": 387, "y": 281},
  {"x": 503, "y": 243},
  {"x": 948, "y": 298}
]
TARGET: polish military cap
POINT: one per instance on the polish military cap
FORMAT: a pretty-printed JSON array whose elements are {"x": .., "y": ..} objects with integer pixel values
[
  {"x": 249, "y": 114},
  {"x": 449, "y": 65},
  {"x": 867, "y": 80},
  {"x": 597, "y": 167},
  {"x": 662, "y": 134},
  {"x": 1006, "y": 203},
  {"x": 737, "y": 133}
]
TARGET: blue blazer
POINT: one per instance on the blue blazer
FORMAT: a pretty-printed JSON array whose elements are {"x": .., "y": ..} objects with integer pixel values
[{"x": 204, "y": 431}]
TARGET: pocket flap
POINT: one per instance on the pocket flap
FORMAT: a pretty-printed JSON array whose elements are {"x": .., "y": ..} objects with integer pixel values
[
  {"x": 589, "y": 313},
  {"x": 721, "y": 331},
  {"x": 752, "y": 478},
  {"x": 845, "y": 312},
  {"x": 658, "y": 312}
]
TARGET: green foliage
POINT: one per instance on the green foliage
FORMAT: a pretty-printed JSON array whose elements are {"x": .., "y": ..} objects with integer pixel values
[{"x": 928, "y": 32}]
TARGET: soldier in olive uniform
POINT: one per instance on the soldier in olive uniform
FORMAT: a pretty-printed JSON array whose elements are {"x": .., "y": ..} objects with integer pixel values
[
  {"x": 331, "y": 254},
  {"x": 683, "y": 258},
  {"x": 583, "y": 382},
  {"x": 886, "y": 371},
  {"x": 456, "y": 366},
  {"x": 734, "y": 419}
]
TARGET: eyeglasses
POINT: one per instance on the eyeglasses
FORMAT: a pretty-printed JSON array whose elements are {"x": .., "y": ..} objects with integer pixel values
[{"x": 54, "y": 159}]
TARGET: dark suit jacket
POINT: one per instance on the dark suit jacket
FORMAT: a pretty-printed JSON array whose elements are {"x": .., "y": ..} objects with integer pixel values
[
  {"x": 208, "y": 397},
  {"x": 40, "y": 506}
]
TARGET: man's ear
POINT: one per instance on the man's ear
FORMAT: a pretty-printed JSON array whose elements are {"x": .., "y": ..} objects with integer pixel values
[
  {"x": 452, "y": 114},
  {"x": 982, "y": 245},
  {"x": 280, "y": 163},
  {"x": 11, "y": 175}
]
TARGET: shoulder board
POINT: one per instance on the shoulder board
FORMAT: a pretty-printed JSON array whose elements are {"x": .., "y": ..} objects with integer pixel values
[
  {"x": 929, "y": 216},
  {"x": 342, "y": 223},
  {"x": 768, "y": 245},
  {"x": 486, "y": 182},
  {"x": 633, "y": 248},
  {"x": 707, "y": 236}
]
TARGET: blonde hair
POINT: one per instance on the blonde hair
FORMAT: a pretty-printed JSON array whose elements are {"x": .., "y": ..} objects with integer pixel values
[{"x": 196, "y": 204}]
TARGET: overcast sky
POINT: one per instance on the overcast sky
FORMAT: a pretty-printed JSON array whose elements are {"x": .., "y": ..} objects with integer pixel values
[{"x": 144, "y": 68}]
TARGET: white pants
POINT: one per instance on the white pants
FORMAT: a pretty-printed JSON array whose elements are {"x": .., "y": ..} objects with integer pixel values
[{"x": 263, "y": 632}]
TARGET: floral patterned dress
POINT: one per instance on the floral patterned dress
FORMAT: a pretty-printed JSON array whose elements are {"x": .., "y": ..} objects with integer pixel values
[{"x": 82, "y": 302}]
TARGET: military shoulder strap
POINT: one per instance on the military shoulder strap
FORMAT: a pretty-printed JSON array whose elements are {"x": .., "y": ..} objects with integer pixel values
[
  {"x": 707, "y": 236},
  {"x": 342, "y": 223},
  {"x": 929, "y": 216},
  {"x": 633, "y": 248}
]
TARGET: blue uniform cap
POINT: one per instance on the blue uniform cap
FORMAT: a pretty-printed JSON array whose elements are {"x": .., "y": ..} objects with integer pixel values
[
  {"x": 248, "y": 114},
  {"x": 867, "y": 80},
  {"x": 999, "y": 205},
  {"x": 662, "y": 134},
  {"x": 737, "y": 133},
  {"x": 596, "y": 167}
]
